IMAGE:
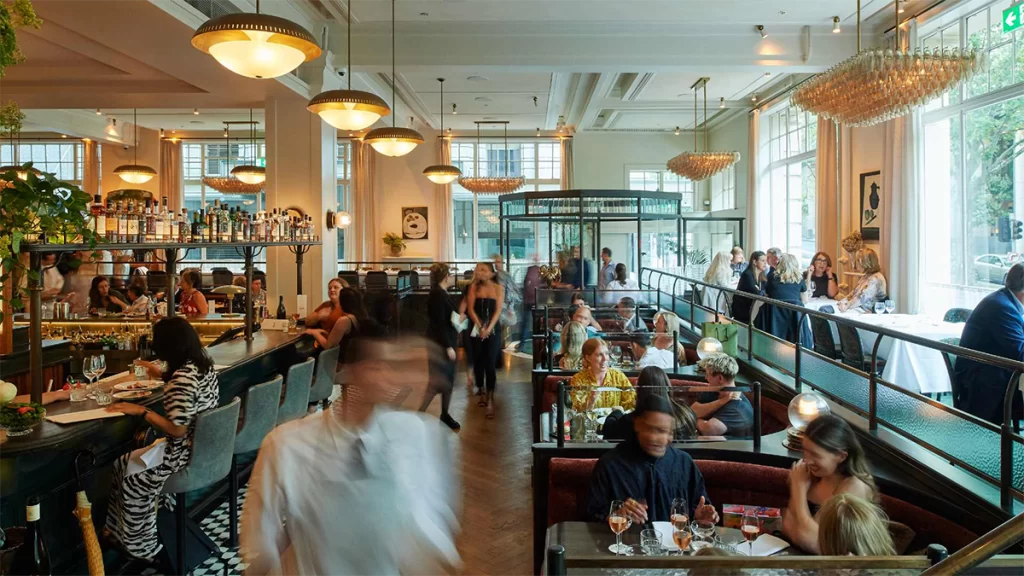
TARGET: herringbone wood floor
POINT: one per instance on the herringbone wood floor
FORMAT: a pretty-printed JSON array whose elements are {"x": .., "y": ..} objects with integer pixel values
[{"x": 497, "y": 509}]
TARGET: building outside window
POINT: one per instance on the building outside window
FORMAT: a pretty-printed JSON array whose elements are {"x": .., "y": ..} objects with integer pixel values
[
  {"x": 344, "y": 173},
  {"x": 65, "y": 160},
  {"x": 791, "y": 144},
  {"x": 657, "y": 179},
  {"x": 972, "y": 145}
]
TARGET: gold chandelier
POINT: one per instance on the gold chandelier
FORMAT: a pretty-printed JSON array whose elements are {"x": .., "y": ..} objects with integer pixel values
[
  {"x": 135, "y": 173},
  {"x": 878, "y": 85},
  {"x": 492, "y": 184},
  {"x": 250, "y": 173},
  {"x": 442, "y": 173},
  {"x": 231, "y": 185},
  {"x": 696, "y": 166},
  {"x": 393, "y": 141}
]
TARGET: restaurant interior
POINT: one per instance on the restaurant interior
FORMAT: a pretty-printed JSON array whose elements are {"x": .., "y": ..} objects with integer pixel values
[{"x": 802, "y": 214}]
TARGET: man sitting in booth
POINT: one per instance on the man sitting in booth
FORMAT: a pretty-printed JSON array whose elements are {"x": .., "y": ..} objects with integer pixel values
[
  {"x": 722, "y": 413},
  {"x": 647, "y": 473},
  {"x": 631, "y": 321}
]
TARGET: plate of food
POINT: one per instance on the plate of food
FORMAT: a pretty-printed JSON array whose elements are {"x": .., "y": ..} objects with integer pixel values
[
  {"x": 19, "y": 418},
  {"x": 132, "y": 394},
  {"x": 139, "y": 385}
]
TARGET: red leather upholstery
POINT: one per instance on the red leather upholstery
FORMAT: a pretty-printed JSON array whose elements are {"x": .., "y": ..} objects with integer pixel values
[{"x": 748, "y": 484}]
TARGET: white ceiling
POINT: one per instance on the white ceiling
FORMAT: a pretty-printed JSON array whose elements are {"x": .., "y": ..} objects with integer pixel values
[{"x": 180, "y": 119}]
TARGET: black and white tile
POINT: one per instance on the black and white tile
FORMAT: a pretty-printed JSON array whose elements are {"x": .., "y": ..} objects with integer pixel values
[{"x": 217, "y": 527}]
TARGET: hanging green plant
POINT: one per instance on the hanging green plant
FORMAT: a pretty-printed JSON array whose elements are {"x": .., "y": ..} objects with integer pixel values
[{"x": 18, "y": 14}]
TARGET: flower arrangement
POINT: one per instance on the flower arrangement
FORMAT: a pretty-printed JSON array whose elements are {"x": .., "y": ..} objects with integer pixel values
[{"x": 395, "y": 242}]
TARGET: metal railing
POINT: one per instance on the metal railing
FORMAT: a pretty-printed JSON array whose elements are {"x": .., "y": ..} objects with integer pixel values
[
  {"x": 1008, "y": 439},
  {"x": 995, "y": 541}
]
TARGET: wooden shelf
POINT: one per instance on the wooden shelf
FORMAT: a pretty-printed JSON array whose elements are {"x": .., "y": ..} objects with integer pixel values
[{"x": 29, "y": 248}]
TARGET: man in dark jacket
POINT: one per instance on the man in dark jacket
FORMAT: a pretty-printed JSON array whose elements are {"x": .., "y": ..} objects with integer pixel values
[
  {"x": 647, "y": 468},
  {"x": 996, "y": 326}
]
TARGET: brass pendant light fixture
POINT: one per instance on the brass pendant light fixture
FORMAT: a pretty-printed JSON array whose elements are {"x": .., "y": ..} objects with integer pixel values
[
  {"x": 230, "y": 184},
  {"x": 442, "y": 173},
  {"x": 696, "y": 166},
  {"x": 256, "y": 45},
  {"x": 393, "y": 141},
  {"x": 250, "y": 173},
  {"x": 349, "y": 109},
  {"x": 135, "y": 173},
  {"x": 492, "y": 184}
]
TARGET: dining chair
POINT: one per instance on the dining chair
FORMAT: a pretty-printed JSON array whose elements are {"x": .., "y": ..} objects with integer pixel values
[
  {"x": 852, "y": 352},
  {"x": 950, "y": 361},
  {"x": 824, "y": 342},
  {"x": 259, "y": 416},
  {"x": 297, "y": 384},
  {"x": 956, "y": 315},
  {"x": 323, "y": 376}
]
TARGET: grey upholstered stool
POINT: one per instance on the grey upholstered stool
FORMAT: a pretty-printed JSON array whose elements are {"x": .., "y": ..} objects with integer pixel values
[
  {"x": 213, "y": 442},
  {"x": 323, "y": 379},
  {"x": 259, "y": 416},
  {"x": 297, "y": 384}
]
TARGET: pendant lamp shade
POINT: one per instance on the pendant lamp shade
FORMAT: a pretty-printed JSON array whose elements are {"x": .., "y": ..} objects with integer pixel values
[
  {"x": 256, "y": 45},
  {"x": 442, "y": 173},
  {"x": 393, "y": 141},
  {"x": 250, "y": 174},
  {"x": 351, "y": 110},
  {"x": 135, "y": 173}
]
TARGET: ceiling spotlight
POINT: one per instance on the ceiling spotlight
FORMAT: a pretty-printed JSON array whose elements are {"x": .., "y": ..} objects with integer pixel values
[
  {"x": 63, "y": 135},
  {"x": 900, "y": 6},
  {"x": 767, "y": 74},
  {"x": 760, "y": 30},
  {"x": 455, "y": 110},
  {"x": 754, "y": 97},
  {"x": 195, "y": 111},
  {"x": 225, "y": 132},
  {"x": 161, "y": 132},
  {"x": 538, "y": 132},
  {"x": 98, "y": 113},
  {"x": 677, "y": 130},
  {"x": 534, "y": 101},
  {"x": 721, "y": 102},
  {"x": 835, "y": 25}
]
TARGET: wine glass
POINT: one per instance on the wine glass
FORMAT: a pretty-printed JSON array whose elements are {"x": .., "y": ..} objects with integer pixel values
[
  {"x": 750, "y": 526},
  {"x": 890, "y": 306},
  {"x": 619, "y": 521},
  {"x": 99, "y": 365},
  {"x": 682, "y": 537},
  {"x": 879, "y": 307},
  {"x": 680, "y": 513},
  {"x": 89, "y": 371}
]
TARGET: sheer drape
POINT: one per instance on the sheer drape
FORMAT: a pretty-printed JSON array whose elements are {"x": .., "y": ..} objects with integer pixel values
[
  {"x": 90, "y": 168},
  {"x": 170, "y": 173},
  {"x": 443, "y": 206},
  {"x": 567, "y": 179},
  {"x": 364, "y": 244},
  {"x": 827, "y": 192},
  {"x": 758, "y": 237}
]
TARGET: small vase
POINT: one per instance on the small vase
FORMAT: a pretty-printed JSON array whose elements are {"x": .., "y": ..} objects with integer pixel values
[{"x": 396, "y": 251}]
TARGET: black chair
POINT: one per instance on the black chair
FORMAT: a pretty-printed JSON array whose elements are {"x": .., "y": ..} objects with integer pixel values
[
  {"x": 468, "y": 274},
  {"x": 376, "y": 279},
  {"x": 350, "y": 276},
  {"x": 956, "y": 315},
  {"x": 222, "y": 276},
  {"x": 852, "y": 352},
  {"x": 156, "y": 280},
  {"x": 950, "y": 361},
  {"x": 824, "y": 342}
]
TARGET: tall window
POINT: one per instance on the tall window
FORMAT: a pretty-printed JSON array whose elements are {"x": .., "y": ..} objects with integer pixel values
[
  {"x": 792, "y": 137},
  {"x": 973, "y": 179},
  {"x": 476, "y": 217},
  {"x": 343, "y": 158},
  {"x": 65, "y": 160},
  {"x": 200, "y": 160},
  {"x": 723, "y": 189},
  {"x": 654, "y": 179}
]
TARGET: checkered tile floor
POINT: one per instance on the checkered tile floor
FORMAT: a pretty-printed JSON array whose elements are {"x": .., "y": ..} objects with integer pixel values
[{"x": 216, "y": 527}]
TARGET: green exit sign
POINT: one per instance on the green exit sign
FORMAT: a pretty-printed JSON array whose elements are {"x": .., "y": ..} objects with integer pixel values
[
  {"x": 262, "y": 162},
  {"x": 1013, "y": 17}
]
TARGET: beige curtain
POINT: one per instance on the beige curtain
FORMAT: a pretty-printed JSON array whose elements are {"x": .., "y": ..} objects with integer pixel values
[
  {"x": 443, "y": 206},
  {"x": 363, "y": 244},
  {"x": 91, "y": 168},
  {"x": 753, "y": 178},
  {"x": 171, "y": 184},
  {"x": 567, "y": 179},
  {"x": 827, "y": 193}
]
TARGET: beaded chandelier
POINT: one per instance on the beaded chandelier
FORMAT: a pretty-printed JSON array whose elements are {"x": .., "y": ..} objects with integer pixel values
[
  {"x": 493, "y": 184},
  {"x": 696, "y": 166},
  {"x": 231, "y": 185}
]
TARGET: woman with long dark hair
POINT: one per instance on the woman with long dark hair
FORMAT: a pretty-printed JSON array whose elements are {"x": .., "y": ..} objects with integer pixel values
[
  {"x": 103, "y": 297},
  {"x": 193, "y": 303},
  {"x": 752, "y": 281},
  {"x": 833, "y": 463},
  {"x": 653, "y": 381},
  {"x": 441, "y": 331},
  {"x": 484, "y": 302},
  {"x": 824, "y": 282},
  {"x": 191, "y": 388},
  {"x": 352, "y": 313}
]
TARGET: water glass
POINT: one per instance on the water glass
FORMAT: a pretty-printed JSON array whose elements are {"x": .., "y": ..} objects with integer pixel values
[
  {"x": 79, "y": 393},
  {"x": 879, "y": 307},
  {"x": 890, "y": 306},
  {"x": 104, "y": 396},
  {"x": 650, "y": 542}
]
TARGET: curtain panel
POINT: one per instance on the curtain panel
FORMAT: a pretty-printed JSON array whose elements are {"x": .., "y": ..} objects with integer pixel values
[
  {"x": 171, "y": 183},
  {"x": 567, "y": 181},
  {"x": 364, "y": 244},
  {"x": 443, "y": 206},
  {"x": 827, "y": 192},
  {"x": 91, "y": 168}
]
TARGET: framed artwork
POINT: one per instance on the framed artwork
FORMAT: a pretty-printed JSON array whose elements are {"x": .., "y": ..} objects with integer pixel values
[
  {"x": 414, "y": 223},
  {"x": 871, "y": 193}
]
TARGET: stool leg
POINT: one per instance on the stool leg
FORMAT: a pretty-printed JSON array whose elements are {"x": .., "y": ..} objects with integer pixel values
[
  {"x": 182, "y": 516},
  {"x": 233, "y": 503}
]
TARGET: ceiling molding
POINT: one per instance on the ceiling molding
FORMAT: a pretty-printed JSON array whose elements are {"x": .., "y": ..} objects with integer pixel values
[
  {"x": 640, "y": 82},
  {"x": 600, "y": 85}
]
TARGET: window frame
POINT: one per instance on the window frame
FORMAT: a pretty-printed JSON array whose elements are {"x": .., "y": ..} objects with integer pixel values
[
  {"x": 343, "y": 174},
  {"x": 662, "y": 175},
  {"x": 780, "y": 130},
  {"x": 76, "y": 163}
]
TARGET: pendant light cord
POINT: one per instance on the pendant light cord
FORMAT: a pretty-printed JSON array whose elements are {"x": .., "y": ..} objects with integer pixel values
[
  {"x": 135, "y": 132},
  {"x": 706, "y": 148},
  {"x": 349, "y": 44},
  {"x": 858, "y": 26},
  {"x": 896, "y": 8},
  {"x": 394, "y": 97},
  {"x": 441, "y": 80},
  {"x": 695, "y": 120}
]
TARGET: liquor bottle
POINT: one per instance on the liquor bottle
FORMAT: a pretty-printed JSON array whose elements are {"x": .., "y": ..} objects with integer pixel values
[
  {"x": 224, "y": 224},
  {"x": 111, "y": 224},
  {"x": 282, "y": 314},
  {"x": 150, "y": 235},
  {"x": 246, "y": 227},
  {"x": 275, "y": 227},
  {"x": 166, "y": 232},
  {"x": 210, "y": 231},
  {"x": 184, "y": 227},
  {"x": 197, "y": 227},
  {"x": 31, "y": 558},
  {"x": 122, "y": 223},
  {"x": 99, "y": 218}
]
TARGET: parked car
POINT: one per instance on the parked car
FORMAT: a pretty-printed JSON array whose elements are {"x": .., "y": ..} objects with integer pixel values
[{"x": 991, "y": 268}]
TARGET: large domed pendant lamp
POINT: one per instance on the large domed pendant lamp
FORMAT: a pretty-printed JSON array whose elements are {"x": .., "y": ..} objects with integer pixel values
[
  {"x": 135, "y": 173},
  {"x": 442, "y": 173},
  {"x": 393, "y": 141},
  {"x": 250, "y": 173},
  {"x": 256, "y": 45},
  {"x": 349, "y": 109}
]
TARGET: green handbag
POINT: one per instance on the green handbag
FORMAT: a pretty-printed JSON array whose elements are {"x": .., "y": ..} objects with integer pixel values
[{"x": 724, "y": 333}]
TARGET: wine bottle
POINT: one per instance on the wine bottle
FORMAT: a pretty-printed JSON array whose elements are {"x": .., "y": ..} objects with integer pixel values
[
  {"x": 197, "y": 228},
  {"x": 31, "y": 559},
  {"x": 150, "y": 234},
  {"x": 282, "y": 314},
  {"x": 111, "y": 223},
  {"x": 99, "y": 218}
]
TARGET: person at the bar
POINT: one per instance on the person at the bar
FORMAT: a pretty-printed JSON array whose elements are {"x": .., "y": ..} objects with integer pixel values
[
  {"x": 646, "y": 467},
  {"x": 852, "y": 526},
  {"x": 353, "y": 314},
  {"x": 325, "y": 315},
  {"x": 53, "y": 280},
  {"x": 191, "y": 388},
  {"x": 358, "y": 488},
  {"x": 722, "y": 412},
  {"x": 596, "y": 373},
  {"x": 441, "y": 331},
  {"x": 833, "y": 463},
  {"x": 192, "y": 302},
  {"x": 103, "y": 297},
  {"x": 996, "y": 326},
  {"x": 139, "y": 302},
  {"x": 652, "y": 381},
  {"x": 607, "y": 272}
]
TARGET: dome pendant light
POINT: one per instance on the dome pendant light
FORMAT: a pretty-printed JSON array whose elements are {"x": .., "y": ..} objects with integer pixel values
[
  {"x": 349, "y": 109},
  {"x": 250, "y": 173},
  {"x": 442, "y": 173},
  {"x": 135, "y": 173},
  {"x": 256, "y": 45},
  {"x": 393, "y": 141}
]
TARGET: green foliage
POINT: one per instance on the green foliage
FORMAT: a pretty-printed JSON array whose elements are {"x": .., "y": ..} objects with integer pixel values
[
  {"x": 394, "y": 241},
  {"x": 11, "y": 118},
  {"x": 18, "y": 14}
]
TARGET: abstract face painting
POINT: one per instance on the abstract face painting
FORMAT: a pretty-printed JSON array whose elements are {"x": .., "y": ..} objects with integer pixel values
[{"x": 414, "y": 223}]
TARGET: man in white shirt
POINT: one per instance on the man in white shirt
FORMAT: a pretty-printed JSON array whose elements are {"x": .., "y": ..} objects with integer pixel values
[
  {"x": 359, "y": 488},
  {"x": 651, "y": 355},
  {"x": 607, "y": 273}
]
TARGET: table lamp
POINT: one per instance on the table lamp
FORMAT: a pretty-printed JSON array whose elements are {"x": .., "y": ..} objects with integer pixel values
[
  {"x": 803, "y": 409},
  {"x": 706, "y": 347},
  {"x": 230, "y": 291}
]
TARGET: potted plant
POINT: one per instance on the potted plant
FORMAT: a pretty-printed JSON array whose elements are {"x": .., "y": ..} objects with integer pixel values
[{"x": 395, "y": 242}]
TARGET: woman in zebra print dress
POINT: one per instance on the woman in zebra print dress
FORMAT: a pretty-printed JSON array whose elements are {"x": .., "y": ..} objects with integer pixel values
[{"x": 191, "y": 388}]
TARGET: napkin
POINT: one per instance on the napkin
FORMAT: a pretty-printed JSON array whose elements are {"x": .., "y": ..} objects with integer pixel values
[
  {"x": 665, "y": 530},
  {"x": 83, "y": 416},
  {"x": 765, "y": 545},
  {"x": 147, "y": 457},
  {"x": 459, "y": 326}
]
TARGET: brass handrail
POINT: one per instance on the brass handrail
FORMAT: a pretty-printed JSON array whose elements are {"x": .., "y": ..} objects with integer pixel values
[{"x": 998, "y": 539}]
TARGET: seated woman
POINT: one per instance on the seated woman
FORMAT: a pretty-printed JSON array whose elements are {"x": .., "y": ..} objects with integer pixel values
[
  {"x": 833, "y": 463},
  {"x": 353, "y": 313},
  {"x": 666, "y": 324},
  {"x": 718, "y": 274},
  {"x": 573, "y": 336},
  {"x": 752, "y": 281},
  {"x": 139, "y": 300},
  {"x": 623, "y": 286},
  {"x": 652, "y": 382},
  {"x": 736, "y": 262},
  {"x": 870, "y": 286},
  {"x": 325, "y": 315},
  {"x": 192, "y": 302},
  {"x": 788, "y": 286},
  {"x": 192, "y": 388},
  {"x": 820, "y": 276},
  {"x": 721, "y": 412},
  {"x": 101, "y": 297},
  {"x": 596, "y": 373},
  {"x": 852, "y": 526}
]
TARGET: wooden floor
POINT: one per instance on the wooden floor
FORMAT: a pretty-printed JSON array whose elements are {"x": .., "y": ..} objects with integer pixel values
[{"x": 497, "y": 509}]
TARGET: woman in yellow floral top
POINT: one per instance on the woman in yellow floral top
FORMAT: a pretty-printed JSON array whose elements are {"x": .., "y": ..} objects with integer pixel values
[{"x": 596, "y": 373}]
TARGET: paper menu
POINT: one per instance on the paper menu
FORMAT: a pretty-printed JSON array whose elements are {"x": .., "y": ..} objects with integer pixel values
[
  {"x": 83, "y": 416},
  {"x": 665, "y": 530},
  {"x": 765, "y": 545}
]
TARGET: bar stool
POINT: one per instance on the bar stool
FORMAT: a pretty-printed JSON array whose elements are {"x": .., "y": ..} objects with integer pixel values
[
  {"x": 213, "y": 442},
  {"x": 297, "y": 384},
  {"x": 258, "y": 419},
  {"x": 323, "y": 381}
]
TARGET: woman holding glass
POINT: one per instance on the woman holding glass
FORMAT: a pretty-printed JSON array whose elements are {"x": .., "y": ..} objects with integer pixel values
[{"x": 191, "y": 388}]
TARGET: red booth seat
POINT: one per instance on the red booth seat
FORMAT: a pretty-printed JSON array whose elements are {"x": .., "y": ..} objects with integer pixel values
[{"x": 745, "y": 484}]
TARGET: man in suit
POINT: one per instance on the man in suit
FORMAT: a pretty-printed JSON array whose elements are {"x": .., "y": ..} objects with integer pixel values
[{"x": 996, "y": 326}]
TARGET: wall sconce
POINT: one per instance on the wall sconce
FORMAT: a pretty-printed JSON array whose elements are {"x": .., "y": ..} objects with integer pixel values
[{"x": 339, "y": 219}]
